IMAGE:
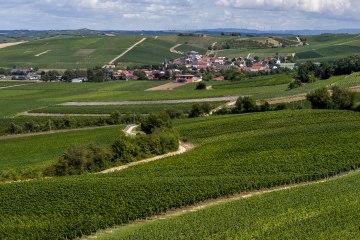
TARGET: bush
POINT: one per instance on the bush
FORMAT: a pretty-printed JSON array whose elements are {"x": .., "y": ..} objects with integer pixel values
[
  {"x": 320, "y": 99},
  {"x": 198, "y": 109},
  {"x": 245, "y": 105},
  {"x": 280, "y": 107},
  {"x": 201, "y": 86},
  {"x": 80, "y": 159},
  {"x": 156, "y": 122},
  {"x": 342, "y": 98}
]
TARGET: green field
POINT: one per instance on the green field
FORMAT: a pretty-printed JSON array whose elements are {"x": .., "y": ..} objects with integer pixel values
[
  {"x": 66, "y": 52},
  {"x": 30, "y": 97},
  {"x": 39, "y": 151},
  {"x": 324, "y": 211},
  {"x": 151, "y": 51},
  {"x": 320, "y": 48},
  {"x": 126, "y": 109},
  {"x": 234, "y": 153}
]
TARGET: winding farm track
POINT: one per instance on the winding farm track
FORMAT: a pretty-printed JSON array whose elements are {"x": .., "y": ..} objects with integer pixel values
[
  {"x": 122, "y": 103},
  {"x": 218, "y": 201},
  {"x": 126, "y": 51},
  {"x": 62, "y": 115},
  {"x": 130, "y": 131},
  {"x": 173, "y": 49}
]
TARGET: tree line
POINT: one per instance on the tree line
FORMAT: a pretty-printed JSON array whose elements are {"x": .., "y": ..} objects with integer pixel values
[{"x": 158, "y": 138}]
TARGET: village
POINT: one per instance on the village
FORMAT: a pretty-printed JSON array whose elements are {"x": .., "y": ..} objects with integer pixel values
[{"x": 195, "y": 67}]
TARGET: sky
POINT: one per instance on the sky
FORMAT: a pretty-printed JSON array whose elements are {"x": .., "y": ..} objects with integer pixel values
[{"x": 179, "y": 14}]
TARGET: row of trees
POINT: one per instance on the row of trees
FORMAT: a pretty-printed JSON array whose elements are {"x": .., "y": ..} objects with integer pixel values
[
  {"x": 159, "y": 139},
  {"x": 96, "y": 74},
  {"x": 336, "y": 98},
  {"x": 310, "y": 72},
  {"x": 68, "y": 122}
]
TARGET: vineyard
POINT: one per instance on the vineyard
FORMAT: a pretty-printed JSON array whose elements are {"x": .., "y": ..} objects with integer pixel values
[
  {"x": 264, "y": 217},
  {"x": 234, "y": 153},
  {"x": 125, "y": 109},
  {"x": 26, "y": 157}
]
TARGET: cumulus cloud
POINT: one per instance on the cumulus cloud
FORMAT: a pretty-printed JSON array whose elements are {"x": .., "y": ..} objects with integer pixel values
[
  {"x": 336, "y": 7},
  {"x": 177, "y": 14}
]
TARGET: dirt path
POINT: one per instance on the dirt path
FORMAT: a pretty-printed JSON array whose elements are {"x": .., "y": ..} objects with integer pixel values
[
  {"x": 61, "y": 115},
  {"x": 129, "y": 131},
  {"x": 128, "y": 50},
  {"x": 166, "y": 87},
  {"x": 122, "y": 103},
  {"x": 38, "y": 55},
  {"x": 5, "y": 45},
  {"x": 173, "y": 49},
  {"x": 213, "y": 202},
  {"x": 18, "y": 85},
  {"x": 50, "y": 132}
]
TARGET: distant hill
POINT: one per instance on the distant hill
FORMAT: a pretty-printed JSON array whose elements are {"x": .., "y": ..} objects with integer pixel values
[{"x": 87, "y": 32}]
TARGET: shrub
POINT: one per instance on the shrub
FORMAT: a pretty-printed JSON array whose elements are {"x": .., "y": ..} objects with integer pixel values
[
  {"x": 280, "y": 107},
  {"x": 80, "y": 159},
  {"x": 246, "y": 105},
  {"x": 156, "y": 122},
  {"x": 342, "y": 98},
  {"x": 320, "y": 99},
  {"x": 200, "y": 86}
]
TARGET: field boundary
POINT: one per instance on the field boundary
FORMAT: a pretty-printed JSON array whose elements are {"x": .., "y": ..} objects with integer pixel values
[
  {"x": 122, "y": 103},
  {"x": 5, "y": 137},
  {"x": 126, "y": 51},
  {"x": 221, "y": 200}
]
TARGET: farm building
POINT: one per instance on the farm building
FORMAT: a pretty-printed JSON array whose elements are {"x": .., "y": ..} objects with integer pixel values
[{"x": 185, "y": 78}]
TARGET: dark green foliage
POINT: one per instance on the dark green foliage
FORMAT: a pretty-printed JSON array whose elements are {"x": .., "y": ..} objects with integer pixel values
[
  {"x": 295, "y": 84},
  {"x": 200, "y": 86},
  {"x": 128, "y": 150},
  {"x": 245, "y": 105},
  {"x": 342, "y": 98},
  {"x": 200, "y": 109},
  {"x": 347, "y": 65},
  {"x": 280, "y": 107},
  {"x": 81, "y": 159},
  {"x": 357, "y": 108},
  {"x": 320, "y": 99},
  {"x": 14, "y": 129},
  {"x": 156, "y": 122},
  {"x": 235, "y": 153}
]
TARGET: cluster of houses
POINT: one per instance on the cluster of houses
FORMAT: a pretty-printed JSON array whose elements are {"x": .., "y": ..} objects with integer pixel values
[
  {"x": 194, "y": 62},
  {"x": 197, "y": 61},
  {"x": 24, "y": 74}
]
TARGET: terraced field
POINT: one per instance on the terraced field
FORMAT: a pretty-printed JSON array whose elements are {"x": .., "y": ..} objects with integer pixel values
[{"x": 234, "y": 154}]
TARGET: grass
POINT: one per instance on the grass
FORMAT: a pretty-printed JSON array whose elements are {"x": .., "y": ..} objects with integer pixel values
[
  {"x": 320, "y": 48},
  {"x": 324, "y": 211},
  {"x": 234, "y": 153},
  {"x": 39, "y": 151},
  {"x": 30, "y": 97},
  {"x": 130, "y": 109},
  {"x": 151, "y": 51},
  {"x": 40, "y": 120},
  {"x": 66, "y": 52}
]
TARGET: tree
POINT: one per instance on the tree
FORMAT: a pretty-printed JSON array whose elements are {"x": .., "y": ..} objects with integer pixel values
[
  {"x": 320, "y": 99},
  {"x": 245, "y": 104},
  {"x": 342, "y": 98},
  {"x": 156, "y": 122}
]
